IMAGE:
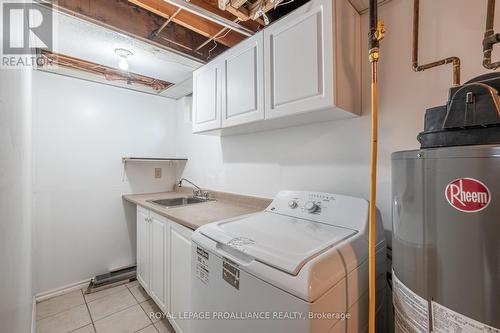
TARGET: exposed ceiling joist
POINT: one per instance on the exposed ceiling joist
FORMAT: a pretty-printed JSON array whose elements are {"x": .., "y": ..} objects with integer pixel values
[
  {"x": 237, "y": 3},
  {"x": 230, "y": 13},
  {"x": 125, "y": 17},
  {"x": 211, "y": 16},
  {"x": 188, "y": 20}
]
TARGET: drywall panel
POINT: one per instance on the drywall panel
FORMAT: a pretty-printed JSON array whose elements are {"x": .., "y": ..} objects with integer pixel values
[
  {"x": 16, "y": 299},
  {"x": 80, "y": 132}
]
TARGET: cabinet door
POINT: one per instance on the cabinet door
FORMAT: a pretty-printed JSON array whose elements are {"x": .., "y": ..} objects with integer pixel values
[
  {"x": 159, "y": 264},
  {"x": 298, "y": 58},
  {"x": 180, "y": 263},
  {"x": 243, "y": 84},
  {"x": 143, "y": 247},
  {"x": 207, "y": 97}
]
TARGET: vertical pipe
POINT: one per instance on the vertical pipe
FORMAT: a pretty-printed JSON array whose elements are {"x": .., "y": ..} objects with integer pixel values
[
  {"x": 416, "y": 15},
  {"x": 375, "y": 34},
  {"x": 373, "y": 196},
  {"x": 490, "y": 37}
]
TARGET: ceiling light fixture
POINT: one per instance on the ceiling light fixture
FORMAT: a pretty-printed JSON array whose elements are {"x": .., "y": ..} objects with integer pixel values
[{"x": 123, "y": 54}]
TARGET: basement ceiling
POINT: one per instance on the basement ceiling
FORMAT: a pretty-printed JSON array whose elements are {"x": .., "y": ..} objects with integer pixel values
[
  {"x": 89, "y": 42},
  {"x": 169, "y": 39}
]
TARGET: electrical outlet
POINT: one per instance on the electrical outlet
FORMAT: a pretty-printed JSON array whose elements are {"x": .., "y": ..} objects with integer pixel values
[{"x": 157, "y": 172}]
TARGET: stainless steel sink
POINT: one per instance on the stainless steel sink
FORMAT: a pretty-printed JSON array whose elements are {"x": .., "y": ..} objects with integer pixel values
[{"x": 177, "y": 202}]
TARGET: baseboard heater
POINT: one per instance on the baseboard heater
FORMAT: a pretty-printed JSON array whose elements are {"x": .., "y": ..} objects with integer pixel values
[{"x": 113, "y": 278}]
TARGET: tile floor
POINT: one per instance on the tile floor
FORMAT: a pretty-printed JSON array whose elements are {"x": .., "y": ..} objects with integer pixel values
[{"x": 122, "y": 309}]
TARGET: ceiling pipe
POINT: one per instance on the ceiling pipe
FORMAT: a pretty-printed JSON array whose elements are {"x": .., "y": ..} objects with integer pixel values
[
  {"x": 490, "y": 37},
  {"x": 375, "y": 34},
  {"x": 211, "y": 16},
  {"x": 419, "y": 68}
]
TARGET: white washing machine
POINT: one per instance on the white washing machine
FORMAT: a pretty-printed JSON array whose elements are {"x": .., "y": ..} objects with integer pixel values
[{"x": 299, "y": 266}]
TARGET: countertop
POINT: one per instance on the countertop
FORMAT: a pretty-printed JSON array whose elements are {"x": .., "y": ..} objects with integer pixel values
[{"x": 225, "y": 206}]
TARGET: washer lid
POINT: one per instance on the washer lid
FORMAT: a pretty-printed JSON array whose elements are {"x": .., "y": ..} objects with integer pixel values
[{"x": 283, "y": 242}]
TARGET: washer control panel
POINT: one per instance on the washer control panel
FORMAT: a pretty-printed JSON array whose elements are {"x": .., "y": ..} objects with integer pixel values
[
  {"x": 328, "y": 208},
  {"x": 305, "y": 202}
]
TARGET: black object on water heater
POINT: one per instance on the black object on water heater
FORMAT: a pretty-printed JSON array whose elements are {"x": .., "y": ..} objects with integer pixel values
[{"x": 470, "y": 117}]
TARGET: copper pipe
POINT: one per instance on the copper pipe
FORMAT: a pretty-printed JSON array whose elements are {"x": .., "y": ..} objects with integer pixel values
[
  {"x": 375, "y": 34},
  {"x": 373, "y": 199},
  {"x": 418, "y": 68},
  {"x": 490, "y": 37}
]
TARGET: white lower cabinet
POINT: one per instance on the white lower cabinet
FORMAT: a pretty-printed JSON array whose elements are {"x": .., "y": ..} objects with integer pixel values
[
  {"x": 164, "y": 264},
  {"x": 159, "y": 260},
  {"x": 180, "y": 273},
  {"x": 143, "y": 250}
]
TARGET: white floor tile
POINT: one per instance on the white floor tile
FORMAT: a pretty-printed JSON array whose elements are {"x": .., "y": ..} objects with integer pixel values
[
  {"x": 85, "y": 329},
  {"x": 163, "y": 326},
  {"x": 152, "y": 310},
  {"x": 129, "y": 320},
  {"x": 149, "y": 329},
  {"x": 110, "y": 304},
  {"x": 139, "y": 293},
  {"x": 104, "y": 293},
  {"x": 64, "y": 322},
  {"x": 59, "y": 304}
]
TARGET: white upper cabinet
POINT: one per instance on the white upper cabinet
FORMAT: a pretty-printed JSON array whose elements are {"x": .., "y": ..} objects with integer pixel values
[
  {"x": 312, "y": 61},
  {"x": 207, "y": 97},
  {"x": 243, "y": 84},
  {"x": 303, "y": 68}
]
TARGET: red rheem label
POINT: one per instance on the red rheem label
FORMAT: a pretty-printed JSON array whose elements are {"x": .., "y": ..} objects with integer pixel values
[{"x": 468, "y": 195}]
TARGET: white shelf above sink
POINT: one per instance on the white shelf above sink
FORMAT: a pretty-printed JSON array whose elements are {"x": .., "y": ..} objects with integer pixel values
[{"x": 152, "y": 159}]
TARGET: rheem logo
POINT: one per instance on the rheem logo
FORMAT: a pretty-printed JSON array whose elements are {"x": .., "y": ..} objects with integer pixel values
[{"x": 468, "y": 195}]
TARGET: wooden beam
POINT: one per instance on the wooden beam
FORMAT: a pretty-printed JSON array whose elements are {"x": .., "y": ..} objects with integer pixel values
[
  {"x": 237, "y": 3},
  {"x": 230, "y": 13},
  {"x": 188, "y": 20},
  {"x": 122, "y": 16}
]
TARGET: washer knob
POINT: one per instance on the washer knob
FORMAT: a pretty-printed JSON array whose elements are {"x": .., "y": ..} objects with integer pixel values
[
  {"x": 311, "y": 206},
  {"x": 292, "y": 204}
]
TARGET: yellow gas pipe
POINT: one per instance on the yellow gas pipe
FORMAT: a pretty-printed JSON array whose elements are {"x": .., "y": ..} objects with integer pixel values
[{"x": 373, "y": 57}]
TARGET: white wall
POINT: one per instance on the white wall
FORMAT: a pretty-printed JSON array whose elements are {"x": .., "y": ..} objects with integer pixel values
[
  {"x": 80, "y": 132},
  {"x": 15, "y": 201},
  {"x": 334, "y": 156},
  {"x": 82, "y": 129}
]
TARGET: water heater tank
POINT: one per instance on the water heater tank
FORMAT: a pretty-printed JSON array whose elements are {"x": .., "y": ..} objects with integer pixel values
[
  {"x": 446, "y": 217},
  {"x": 446, "y": 239}
]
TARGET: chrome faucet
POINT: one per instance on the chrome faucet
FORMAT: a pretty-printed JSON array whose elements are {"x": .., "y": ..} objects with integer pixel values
[{"x": 197, "y": 191}]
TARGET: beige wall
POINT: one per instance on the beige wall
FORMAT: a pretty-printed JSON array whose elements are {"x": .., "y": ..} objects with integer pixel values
[{"x": 334, "y": 157}]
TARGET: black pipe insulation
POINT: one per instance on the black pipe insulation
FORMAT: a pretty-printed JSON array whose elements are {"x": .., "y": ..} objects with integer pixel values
[{"x": 373, "y": 41}]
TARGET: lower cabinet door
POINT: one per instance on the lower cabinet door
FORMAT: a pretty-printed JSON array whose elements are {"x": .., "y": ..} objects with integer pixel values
[
  {"x": 143, "y": 247},
  {"x": 180, "y": 261},
  {"x": 159, "y": 264}
]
